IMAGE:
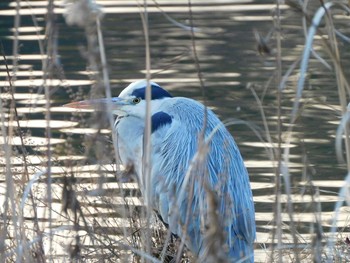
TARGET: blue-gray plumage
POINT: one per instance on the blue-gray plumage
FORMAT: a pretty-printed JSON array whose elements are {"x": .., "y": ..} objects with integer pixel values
[{"x": 187, "y": 172}]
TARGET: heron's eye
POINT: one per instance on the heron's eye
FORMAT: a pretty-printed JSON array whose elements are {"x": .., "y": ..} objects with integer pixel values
[{"x": 136, "y": 100}]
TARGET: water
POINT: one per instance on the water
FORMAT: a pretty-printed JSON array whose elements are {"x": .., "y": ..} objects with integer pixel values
[{"x": 229, "y": 63}]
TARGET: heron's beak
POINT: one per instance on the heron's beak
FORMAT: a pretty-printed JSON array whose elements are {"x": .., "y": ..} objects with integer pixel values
[{"x": 98, "y": 104}]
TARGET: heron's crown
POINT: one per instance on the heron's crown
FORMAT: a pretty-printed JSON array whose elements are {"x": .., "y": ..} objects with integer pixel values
[{"x": 138, "y": 89}]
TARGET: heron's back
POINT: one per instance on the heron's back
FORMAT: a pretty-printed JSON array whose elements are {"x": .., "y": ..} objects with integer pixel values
[{"x": 186, "y": 177}]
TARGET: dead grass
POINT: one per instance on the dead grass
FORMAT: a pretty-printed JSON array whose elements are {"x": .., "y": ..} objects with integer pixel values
[{"x": 71, "y": 210}]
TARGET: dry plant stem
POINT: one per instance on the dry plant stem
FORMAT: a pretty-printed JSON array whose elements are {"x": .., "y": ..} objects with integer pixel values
[
  {"x": 341, "y": 85},
  {"x": 257, "y": 131},
  {"x": 317, "y": 241},
  {"x": 10, "y": 184},
  {"x": 198, "y": 68},
  {"x": 340, "y": 81},
  {"x": 266, "y": 86},
  {"x": 48, "y": 75},
  {"x": 272, "y": 153},
  {"x": 306, "y": 19},
  {"x": 172, "y": 20},
  {"x": 195, "y": 54},
  {"x": 190, "y": 177},
  {"x": 164, "y": 250},
  {"x": 343, "y": 195},
  {"x": 106, "y": 84},
  {"x": 25, "y": 175},
  {"x": 96, "y": 91},
  {"x": 306, "y": 54},
  {"x": 41, "y": 46},
  {"x": 15, "y": 39},
  {"x": 188, "y": 186},
  {"x": 282, "y": 169},
  {"x": 93, "y": 66},
  {"x": 10, "y": 189},
  {"x": 325, "y": 41},
  {"x": 147, "y": 165},
  {"x": 278, "y": 210},
  {"x": 339, "y": 136},
  {"x": 93, "y": 45}
]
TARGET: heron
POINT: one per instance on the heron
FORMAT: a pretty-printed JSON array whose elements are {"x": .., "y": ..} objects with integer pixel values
[{"x": 197, "y": 179}]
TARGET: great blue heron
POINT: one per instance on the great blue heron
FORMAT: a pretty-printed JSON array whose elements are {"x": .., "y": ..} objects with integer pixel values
[{"x": 197, "y": 172}]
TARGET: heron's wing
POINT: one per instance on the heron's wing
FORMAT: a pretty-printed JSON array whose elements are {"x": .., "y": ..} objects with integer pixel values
[
  {"x": 229, "y": 176},
  {"x": 220, "y": 168}
]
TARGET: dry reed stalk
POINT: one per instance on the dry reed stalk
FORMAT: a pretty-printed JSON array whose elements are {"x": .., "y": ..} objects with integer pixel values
[
  {"x": 277, "y": 232},
  {"x": 147, "y": 162},
  {"x": 48, "y": 67},
  {"x": 330, "y": 45}
]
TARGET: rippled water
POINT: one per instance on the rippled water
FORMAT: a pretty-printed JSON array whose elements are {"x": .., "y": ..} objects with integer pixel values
[{"x": 229, "y": 64}]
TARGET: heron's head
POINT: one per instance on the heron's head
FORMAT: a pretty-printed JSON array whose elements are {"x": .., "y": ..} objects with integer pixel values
[{"x": 131, "y": 101}]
